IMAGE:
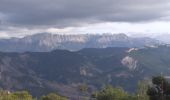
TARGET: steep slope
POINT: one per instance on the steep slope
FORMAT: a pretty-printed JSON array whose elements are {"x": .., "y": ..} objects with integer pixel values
[{"x": 46, "y": 42}]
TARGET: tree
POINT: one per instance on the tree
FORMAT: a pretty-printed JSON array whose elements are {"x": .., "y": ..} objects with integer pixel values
[
  {"x": 160, "y": 90},
  {"x": 4, "y": 95},
  {"x": 110, "y": 93},
  {"x": 23, "y": 95},
  {"x": 142, "y": 88},
  {"x": 83, "y": 88},
  {"x": 53, "y": 96}
]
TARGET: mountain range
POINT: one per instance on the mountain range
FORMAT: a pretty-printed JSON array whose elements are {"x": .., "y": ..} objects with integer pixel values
[
  {"x": 64, "y": 71},
  {"x": 44, "y": 42}
]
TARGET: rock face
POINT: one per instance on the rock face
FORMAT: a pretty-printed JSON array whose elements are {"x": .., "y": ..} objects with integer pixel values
[
  {"x": 46, "y": 42},
  {"x": 130, "y": 63}
]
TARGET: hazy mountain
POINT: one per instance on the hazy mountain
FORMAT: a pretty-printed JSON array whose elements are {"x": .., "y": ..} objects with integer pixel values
[
  {"x": 164, "y": 38},
  {"x": 64, "y": 71},
  {"x": 47, "y": 42}
]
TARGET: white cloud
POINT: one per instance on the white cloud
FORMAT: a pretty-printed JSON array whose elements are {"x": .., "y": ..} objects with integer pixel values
[
  {"x": 24, "y": 17},
  {"x": 122, "y": 27}
]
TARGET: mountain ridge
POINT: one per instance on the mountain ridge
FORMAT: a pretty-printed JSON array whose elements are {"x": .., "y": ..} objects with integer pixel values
[{"x": 45, "y": 42}]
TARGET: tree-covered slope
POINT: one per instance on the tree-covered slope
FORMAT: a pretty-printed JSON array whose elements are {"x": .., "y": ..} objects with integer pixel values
[{"x": 65, "y": 71}]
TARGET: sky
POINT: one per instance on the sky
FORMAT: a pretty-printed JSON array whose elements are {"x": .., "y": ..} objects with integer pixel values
[{"x": 19, "y": 18}]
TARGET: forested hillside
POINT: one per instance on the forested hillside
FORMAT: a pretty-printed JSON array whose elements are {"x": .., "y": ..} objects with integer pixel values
[{"x": 64, "y": 72}]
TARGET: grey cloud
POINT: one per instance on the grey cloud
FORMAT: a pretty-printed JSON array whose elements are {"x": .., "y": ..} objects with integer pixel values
[{"x": 65, "y": 13}]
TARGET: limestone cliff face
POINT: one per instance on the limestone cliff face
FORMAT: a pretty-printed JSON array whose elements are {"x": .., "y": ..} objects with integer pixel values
[
  {"x": 129, "y": 62},
  {"x": 47, "y": 42}
]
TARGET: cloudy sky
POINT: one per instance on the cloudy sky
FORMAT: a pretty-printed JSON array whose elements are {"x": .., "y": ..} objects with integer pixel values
[{"x": 25, "y": 17}]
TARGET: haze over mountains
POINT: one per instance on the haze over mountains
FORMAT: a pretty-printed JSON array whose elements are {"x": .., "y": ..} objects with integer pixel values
[{"x": 46, "y": 42}]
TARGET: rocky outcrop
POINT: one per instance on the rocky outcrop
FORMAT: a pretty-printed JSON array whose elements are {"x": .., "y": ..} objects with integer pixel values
[{"x": 130, "y": 63}]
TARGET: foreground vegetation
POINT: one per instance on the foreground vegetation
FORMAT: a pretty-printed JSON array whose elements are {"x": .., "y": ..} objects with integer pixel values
[
  {"x": 24, "y": 95},
  {"x": 158, "y": 90}
]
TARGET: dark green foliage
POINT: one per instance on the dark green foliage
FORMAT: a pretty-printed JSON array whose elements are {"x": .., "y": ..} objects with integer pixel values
[{"x": 160, "y": 90}]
